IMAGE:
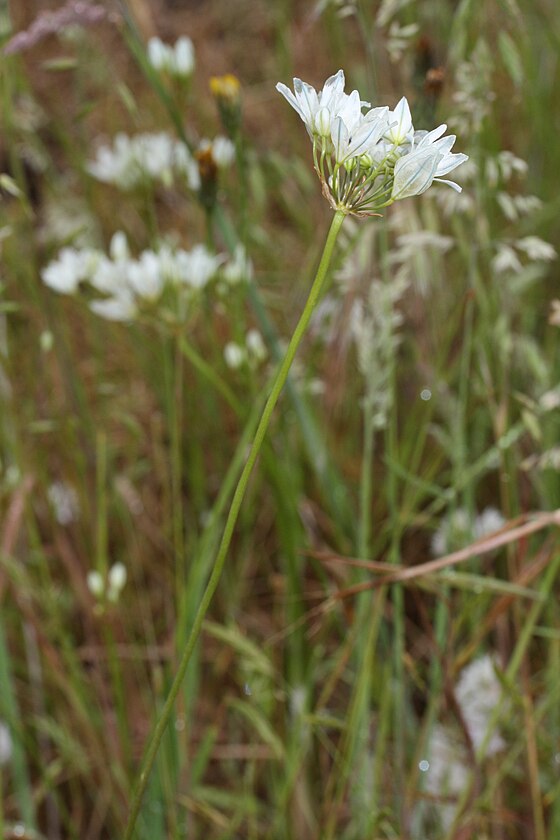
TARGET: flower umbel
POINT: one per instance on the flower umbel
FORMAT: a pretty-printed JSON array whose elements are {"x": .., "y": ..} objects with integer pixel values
[{"x": 366, "y": 161}]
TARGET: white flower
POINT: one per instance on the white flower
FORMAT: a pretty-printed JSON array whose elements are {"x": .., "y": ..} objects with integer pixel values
[
  {"x": 367, "y": 161},
  {"x": 353, "y": 133},
  {"x": 487, "y": 522},
  {"x": 120, "y": 307},
  {"x": 239, "y": 267},
  {"x": 196, "y": 267},
  {"x": 184, "y": 56},
  {"x": 400, "y": 129},
  {"x": 478, "y": 692},
  {"x": 415, "y": 172},
  {"x": 116, "y": 580},
  {"x": 95, "y": 584},
  {"x": 64, "y": 501},
  {"x": 453, "y": 533},
  {"x": 71, "y": 267},
  {"x": 425, "y": 163},
  {"x": 177, "y": 61},
  {"x": 536, "y": 248},
  {"x": 131, "y": 160},
  {"x": 446, "y": 773},
  {"x": 256, "y": 346},
  {"x": 221, "y": 149},
  {"x": 145, "y": 276},
  {"x": 234, "y": 355},
  {"x": 308, "y": 103}
]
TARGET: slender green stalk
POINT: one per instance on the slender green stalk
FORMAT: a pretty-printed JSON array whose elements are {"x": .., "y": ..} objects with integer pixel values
[{"x": 238, "y": 496}]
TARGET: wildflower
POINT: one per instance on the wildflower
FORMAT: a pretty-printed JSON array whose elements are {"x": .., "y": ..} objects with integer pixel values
[
  {"x": 458, "y": 529},
  {"x": 256, "y": 347},
  {"x": 108, "y": 588},
  {"x": 445, "y": 769},
  {"x": 238, "y": 268},
  {"x": 196, "y": 267},
  {"x": 234, "y": 355},
  {"x": 221, "y": 149},
  {"x": 176, "y": 61},
  {"x": 226, "y": 91},
  {"x": 478, "y": 692},
  {"x": 488, "y": 522},
  {"x": 72, "y": 266},
  {"x": 253, "y": 353},
  {"x": 225, "y": 88},
  {"x": 131, "y": 161},
  {"x": 64, "y": 501},
  {"x": 366, "y": 161},
  {"x": 454, "y": 532}
]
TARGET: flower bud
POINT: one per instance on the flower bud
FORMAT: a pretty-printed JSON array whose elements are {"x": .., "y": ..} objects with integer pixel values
[{"x": 323, "y": 122}]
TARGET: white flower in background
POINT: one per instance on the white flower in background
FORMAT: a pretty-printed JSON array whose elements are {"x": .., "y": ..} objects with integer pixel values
[
  {"x": 454, "y": 532},
  {"x": 69, "y": 269},
  {"x": 196, "y": 267},
  {"x": 177, "y": 61},
  {"x": 256, "y": 347},
  {"x": 95, "y": 584},
  {"x": 120, "y": 307},
  {"x": 6, "y": 745},
  {"x": 110, "y": 588},
  {"x": 536, "y": 248},
  {"x": 457, "y": 529},
  {"x": 126, "y": 282},
  {"x": 116, "y": 580},
  {"x": 64, "y": 501},
  {"x": 366, "y": 161},
  {"x": 488, "y": 522},
  {"x": 478, "y": 692},
  {"x": 221, "y": 149},
  {"x": 146, "y": 276},
  {"x": 238, "y": 268},
  {"x": 234, "y": 355},
  {"x": 445, "y": 763},
  {"x": 132, "y": 160},
  {"x": 445, "y": 772},
  {"x": 253, "y": 353}
]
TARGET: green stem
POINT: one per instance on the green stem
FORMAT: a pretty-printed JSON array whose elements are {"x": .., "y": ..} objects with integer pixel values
[{"x": 238, "y": 496}]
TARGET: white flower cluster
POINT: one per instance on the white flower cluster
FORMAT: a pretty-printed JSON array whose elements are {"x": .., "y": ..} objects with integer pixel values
[
  {"x": 131, "y": 161},
  {"x": 177, "y": 60},
  {"x": 445, "y": 765},
  {"x": 366, "y": 161},
  {"x": 124, "y": 281},
  {"x": 458, "y": 529}
]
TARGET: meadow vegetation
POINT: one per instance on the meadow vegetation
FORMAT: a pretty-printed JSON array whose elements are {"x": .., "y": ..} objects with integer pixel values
[{"x": 381, "y": 657}]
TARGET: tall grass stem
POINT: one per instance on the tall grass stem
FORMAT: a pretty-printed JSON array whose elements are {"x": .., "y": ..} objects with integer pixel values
[{"x": 231, "y": 520}]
